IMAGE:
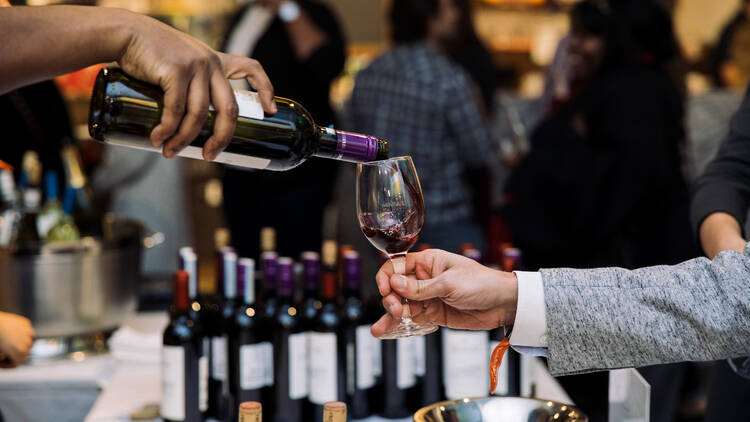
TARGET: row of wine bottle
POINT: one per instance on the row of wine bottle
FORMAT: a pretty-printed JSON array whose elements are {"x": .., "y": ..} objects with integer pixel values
[
  {"x": 26, "y": 220},
  {"x": 295, "y": 355}
]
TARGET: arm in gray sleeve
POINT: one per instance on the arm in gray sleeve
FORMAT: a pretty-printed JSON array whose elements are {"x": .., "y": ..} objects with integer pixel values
[{"x": 612, "y": 318}]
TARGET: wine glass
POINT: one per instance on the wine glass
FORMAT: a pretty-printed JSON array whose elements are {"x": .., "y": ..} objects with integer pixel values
[{"x": 391, "y": 213}]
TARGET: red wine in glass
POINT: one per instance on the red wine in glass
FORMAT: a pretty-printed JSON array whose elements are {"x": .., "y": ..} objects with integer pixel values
[
  {"x": 396, "y": 238},
  {"x": 391, "y": 212}
]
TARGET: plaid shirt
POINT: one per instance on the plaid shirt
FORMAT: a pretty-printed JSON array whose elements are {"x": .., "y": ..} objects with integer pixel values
[{"x": 422, "y": 103}]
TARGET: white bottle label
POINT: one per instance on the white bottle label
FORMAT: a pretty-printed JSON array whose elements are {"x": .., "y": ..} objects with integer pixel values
[
  {"x": 364, "y": 357},
  {"x": 228, "y": 158},
  {"x": 377, "y": 356},
  {"x": 419, "y": 355},
  {"x": 405, "y": 377},
  {"x": 502, "y": 373},
  {"x": 248, "y": 103},
  {"x": 309, "y": 386},
  {"x": 323, "y": 368},
  {"x": 249, "y": 106},
  {"x": 218, "y": 358},
  {"x": 297, "y": 366},
  {"x": 268, "y": 353},
  {"x": 173, "y": 383},
  {"x": 465, "y": 363},
  {"x": 203, "y": 383},
  {"x": 253, "y": 366}
]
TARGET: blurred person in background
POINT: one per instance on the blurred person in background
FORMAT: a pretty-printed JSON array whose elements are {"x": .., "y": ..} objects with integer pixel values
[
  {"x": 603, "y": 183},
  {"x": 302, "y": 50},
  {"x": 469, "y": 52},
  {"x": 422, "y": 103},
  {"x": 731, "y": 57},
  {"x": 35, "y": 114}
]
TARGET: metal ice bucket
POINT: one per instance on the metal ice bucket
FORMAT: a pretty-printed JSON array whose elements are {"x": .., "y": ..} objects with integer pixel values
[
  {"x": 499, "y": 409},
  {"x": 76, "y": 288}
]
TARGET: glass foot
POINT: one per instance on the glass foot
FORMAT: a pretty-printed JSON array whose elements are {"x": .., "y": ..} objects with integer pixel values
[{"x": 409, "y": 328}]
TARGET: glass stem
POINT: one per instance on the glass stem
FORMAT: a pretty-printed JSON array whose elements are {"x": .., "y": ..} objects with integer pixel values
[{"x": 399, "y": 267}]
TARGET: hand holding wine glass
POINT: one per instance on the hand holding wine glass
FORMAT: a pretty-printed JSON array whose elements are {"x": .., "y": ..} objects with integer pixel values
[
  {"x": 391, "y": 212},
  {"x": 449, "y": 290}
]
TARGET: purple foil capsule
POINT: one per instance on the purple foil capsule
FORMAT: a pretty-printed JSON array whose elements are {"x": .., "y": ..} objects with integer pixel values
[
  {"x": 311, "y": 271},
  {"x": 286, "y": 277},
  {"x": 270, "y": 267},
  {"x": 473, "y": 254},
  {"x": 351, "y": 270}
]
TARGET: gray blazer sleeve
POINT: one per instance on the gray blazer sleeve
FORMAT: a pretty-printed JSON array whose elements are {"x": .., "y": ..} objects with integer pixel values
[{"x": 613, "y": 318}]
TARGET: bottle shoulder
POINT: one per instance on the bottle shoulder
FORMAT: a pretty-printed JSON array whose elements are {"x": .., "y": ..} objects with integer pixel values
[
  {"x": 244, "y": 316},
  {"x": 181, "y": 329},
  {"x": 329, "y": 317},
  {"x": 287, "y": 316}
]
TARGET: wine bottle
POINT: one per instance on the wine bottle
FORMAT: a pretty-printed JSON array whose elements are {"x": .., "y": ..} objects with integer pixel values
[
  {"x": 9, "y": 207},
  {"x": 184, "y": 369},
  {"x": 250, "y": 350},
  {"x": 360, "y": 379},
  {"x": 398, "y": 377},
  {"x": 270, "y": 270},
  {"x": 51, "y": 212},
  {"x": 87, "y": 211},
  {"x": 250, "y": 411},
  {"x": 211, "y": 325},
  {"x": 327, "y": 351},
  {"x": 65, "y": 229},
  {"x": 311, "y": 303},
  {"x": 227, "y": 293},
  {"x": 188, "y": 262},
  {"x": 334, "y": 412},
  {"x": 124, "y": 111},
  {"x": 290, "y": 349},
  {"x": 311, "y": 286},
  {"x": 32, "y": 197}
]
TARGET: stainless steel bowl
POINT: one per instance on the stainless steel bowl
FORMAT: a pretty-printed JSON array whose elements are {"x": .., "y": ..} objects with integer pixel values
[
  {"x": 500, "y": 409},
  {"x": 77, "y": 288}
]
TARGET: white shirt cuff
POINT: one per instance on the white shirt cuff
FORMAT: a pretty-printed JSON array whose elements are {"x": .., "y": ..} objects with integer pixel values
[{"x": 530, "y": 327}]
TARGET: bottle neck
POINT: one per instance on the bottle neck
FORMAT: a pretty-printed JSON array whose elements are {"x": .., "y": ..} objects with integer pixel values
[
  {"x": 248, "y": 290},
  {"x": 181, "y": 301},
  {"x": 347, "y": 146},
  {"x": 328, "y": 287}
]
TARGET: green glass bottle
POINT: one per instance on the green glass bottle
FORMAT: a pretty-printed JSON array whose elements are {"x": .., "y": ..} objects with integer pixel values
[{"x": 124, "y": 111}]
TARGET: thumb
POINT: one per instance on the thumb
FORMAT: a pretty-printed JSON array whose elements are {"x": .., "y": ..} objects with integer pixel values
[{"x": 415, "y": 289}]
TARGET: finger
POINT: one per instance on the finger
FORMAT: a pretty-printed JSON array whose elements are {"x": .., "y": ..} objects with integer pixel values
[
  {"x": 222, "y": 97},
  {"x": 236, "y": 67},
  {"x": 175, "y": 97},
  {"x": 419, "y": 289},
  {"x": 196, "y": 115},
  {"x": 383, "y": 279},
  {"x": 383, "y": 325},
  {"x": 392, "y": 304}
]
